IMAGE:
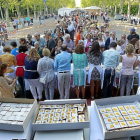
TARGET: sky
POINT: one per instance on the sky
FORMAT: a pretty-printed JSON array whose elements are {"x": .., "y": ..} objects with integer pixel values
[{"x": 78, "y": 3}]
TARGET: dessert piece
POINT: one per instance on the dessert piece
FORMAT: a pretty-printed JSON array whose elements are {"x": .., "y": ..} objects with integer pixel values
[
  {"x": 44, "y": 122},
  {"x": 115, "y": 109},
  {"x": 138, "y": 116},
  {"x": 41, "y": 110},
  {"x": 40, "y": 115},
  {"x": 68, "y": 120},
  {"x": 133, "y": 107},
  {"x": 63, "y": 121},
  {"x": 68, "y": 116},
  {"x": 63, "y": 117},
  {"x": 114, "y": 119},
  {"x": 39, "y": 119},
  {"x": 52, "y": 111},
  {"x": 117, "y": 114},
  {"x": 9, "y": 113},
  {"x": 57, "y": 106},
  {"x": 63, "y": 114},
  {"x": 56, "y": 118},
  {"x": 68, "y": 113},
  {"x": 67, "y": 105},
  {"x": 52, "y": 106},
  {"x": 51, "y": 115},
  {"x": 133, "y": 117},
  {"x": 76, "y": 105},
  {"x": 15, "y": 122},
  {"x": 116, "y": 125},
  {"x": 58, "y": 110},
  {"x": 130, "y": 112},
  {"x": 73, "y": 118},
  {"x": 55, "y": 121},
  {"x": 69, "y": 110},
  {"x": 121, "y": 108},
  {"x": 136, "y": 122},
  {"x": 123, "y": 124},
  {"x": 82, "y": 120},
  {"x": 124, "y": 113},
  {"x": 62, "y": 106},
  {"x": 130, "y": 123},
  {"x": 127, "y": 107},
  {"x": 102, "y": 110},
  {"x": 105, "y": 115},
  {"x": 57, "y": 114},
  {"x": 71, "y": 105},
  {"x": 64, "y": 110},
  {"x": 50, "y": 121},
  {"x": 81, "y": 116},
  {"x": 82, "y": 105},
  {"x": 74, "y": 114},
  {"x": 107, "y": 120},
  {"x": 46, "y": 115},
  {"x": 42, "y": 106},
  {"x": 127, "y": 118},
  {"x": 110, "y": 126},
  {"x": 47, "y": 111},
  {"x": 47, "y": 106},
  {"x": 80, "y": 109},
  {"x": 45, "y": 119},
  {"x": 120, "y": 118},
  {"x": 136, "y": 111},
  {"x": 111, "y": 115},
  {"x": 108, "y": 110}
]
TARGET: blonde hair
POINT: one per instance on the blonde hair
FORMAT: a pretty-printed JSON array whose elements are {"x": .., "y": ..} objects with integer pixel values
[
  {"x": 129, "y": 48},
  {"x": 120, "y": 41},
  {"x": 7, "y": 49},
  {"x": 99, "y": 33},
  {"x": 46, "y": 52},
  {"x": 33, "y": 55}
]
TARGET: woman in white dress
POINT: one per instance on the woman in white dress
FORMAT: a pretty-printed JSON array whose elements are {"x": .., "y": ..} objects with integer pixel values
[{"x": 100, "y": 39}]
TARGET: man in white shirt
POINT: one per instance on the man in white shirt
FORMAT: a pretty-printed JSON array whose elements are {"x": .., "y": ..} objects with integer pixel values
[
  {"x": 71, "y": 29},
  {"x": 132, "y": 18}
]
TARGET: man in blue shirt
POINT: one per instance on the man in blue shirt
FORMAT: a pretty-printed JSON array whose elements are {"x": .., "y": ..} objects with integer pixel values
[
  {"x": 62, "y": 65},
  {"x": 110, "y": 60},
  {"x": 14, "y": 49},
  {"x": 42, "y": 42}
]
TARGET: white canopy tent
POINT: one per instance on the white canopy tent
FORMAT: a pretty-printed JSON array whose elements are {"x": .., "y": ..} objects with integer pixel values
[
  {"x": 94, "y": 9},
  {"x": 64, "y": 10}
]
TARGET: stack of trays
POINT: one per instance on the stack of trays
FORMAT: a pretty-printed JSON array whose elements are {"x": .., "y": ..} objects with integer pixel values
[{"x": 120, "y": 117}]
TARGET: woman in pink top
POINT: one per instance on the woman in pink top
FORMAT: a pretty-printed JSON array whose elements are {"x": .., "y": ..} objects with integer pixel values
[
  {"x": 87, "y": 42},
  {"x": 129, "y": 62}
]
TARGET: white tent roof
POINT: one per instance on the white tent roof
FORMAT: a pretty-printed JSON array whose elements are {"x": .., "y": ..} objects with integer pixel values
[
  {"x": 64, "y": 8},
  {"x": 92, "y": 7}
]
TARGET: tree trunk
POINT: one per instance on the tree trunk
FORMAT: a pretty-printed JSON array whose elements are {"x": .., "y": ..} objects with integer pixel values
[
  {"x": 120, "y": 7},
  {"x": 7, "y": 16},
  {"x": 45, "y": 9},
  {"x": 28, "y": 13},
  {"x": 35, "y": 11},
  {"x": 139, "y": 10},
  {"x": 40, "y": 10},
  {"x": 128, "y": 11},
  {"x": 115, "y": 9}
]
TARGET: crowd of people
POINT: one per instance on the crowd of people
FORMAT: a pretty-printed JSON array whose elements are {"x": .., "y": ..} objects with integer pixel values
[{"x": 78, "y": 46}]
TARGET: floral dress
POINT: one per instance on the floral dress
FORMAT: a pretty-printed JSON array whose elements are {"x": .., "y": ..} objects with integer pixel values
[
  {"x": 79, "y": 62},
  {"x": 96, "y": 60}
]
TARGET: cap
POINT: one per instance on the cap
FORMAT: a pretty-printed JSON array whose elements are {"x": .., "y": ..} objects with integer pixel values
[{"x": 133, "y": 29}]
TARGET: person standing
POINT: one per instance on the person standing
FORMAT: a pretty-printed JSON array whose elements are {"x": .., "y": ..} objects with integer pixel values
[
  {"x": 14, "y": 49},
  {"x": 28, "y": 21},
  {"x": 63, "y": 66},
  {"x": 71, "y": 29},
  {"x": 46, "y": 70},
  {"x": 87, "y": 42},
  {"x": 79, "y": 73},
  {"x": 110, "y": 40},
  {"x": 40, "y": 20},
  {"x": 94, "y": 75},
  {"x": 16, "y": 23},
  {"x": 22, "y": 22},
  {"x": 20, "y": 67},
  {"x": 31, "y": 74},
  {"x": 51, "y": 44},
  {"x": 126, "y": 77},
  {"x": 78, "y": 35},
  {"x": 42, "y": 42},
  {"x": 110, "y": 60}
]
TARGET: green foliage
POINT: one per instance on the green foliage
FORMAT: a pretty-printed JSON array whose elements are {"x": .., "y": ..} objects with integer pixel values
[{"x": 133, "y": 10}]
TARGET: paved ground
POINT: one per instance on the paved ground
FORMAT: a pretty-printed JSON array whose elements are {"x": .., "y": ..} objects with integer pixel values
[{"x": 115, "y": 25}]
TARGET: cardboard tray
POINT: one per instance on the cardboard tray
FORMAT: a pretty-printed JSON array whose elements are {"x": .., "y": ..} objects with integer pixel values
[
  {"x": 62, "y": 126},
  {"x": 116, "y": 100},
  {"x": 17, "y": 127}
]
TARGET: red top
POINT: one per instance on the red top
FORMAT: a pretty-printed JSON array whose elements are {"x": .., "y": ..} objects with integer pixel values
[
  {"x": 4, "y": 25},
  {"x": 20, "y": 62}
]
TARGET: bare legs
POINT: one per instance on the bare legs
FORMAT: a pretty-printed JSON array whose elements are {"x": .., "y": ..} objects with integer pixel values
[
  {"x": 78, "y": 91},
  {"x": 92, "y": 85}
]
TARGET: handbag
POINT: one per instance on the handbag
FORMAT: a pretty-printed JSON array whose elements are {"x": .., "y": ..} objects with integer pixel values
[{"x": 43, "y": 80}]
